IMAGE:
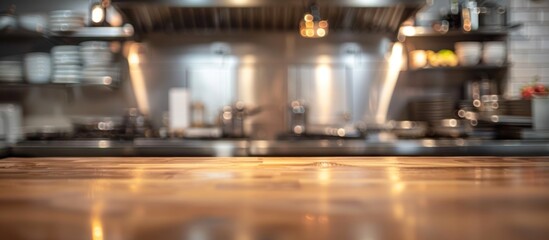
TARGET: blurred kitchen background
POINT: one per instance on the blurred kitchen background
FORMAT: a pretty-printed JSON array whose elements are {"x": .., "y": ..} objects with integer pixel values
[{"x": 260, "y": 70}]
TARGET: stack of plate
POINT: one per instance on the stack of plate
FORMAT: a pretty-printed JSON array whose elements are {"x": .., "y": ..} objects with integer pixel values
[
  {"x": 98, "y": 63},
  {"x": 38, "y": 67},
  {"x": 432, "y": 110},
  {"x": 11, "y": 71},
  {"x": 66, "y": 21},
  {"x": 66, "y": 60}
]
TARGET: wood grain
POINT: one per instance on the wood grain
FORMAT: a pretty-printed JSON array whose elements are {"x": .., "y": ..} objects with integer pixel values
[{"x": 274, "y": 198}]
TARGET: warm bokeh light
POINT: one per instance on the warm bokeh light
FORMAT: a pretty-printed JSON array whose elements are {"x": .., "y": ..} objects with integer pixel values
[
  {"x": 309, "y": 28},
  {"x": 323, "y": 24},
  {"x": 310, "y": 32},
  {"x": 321, "y": 32},
  {"x": 97, "y": 14},
  {"x": 396, "y": 61},
  {"x": 408, "y": 31},
  {"x": 137, "y": 78}
]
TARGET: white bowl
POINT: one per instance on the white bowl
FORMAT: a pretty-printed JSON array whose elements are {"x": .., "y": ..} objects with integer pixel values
[
  {"x": 468, "y": 60},
  {"x": 66, "y": 23},
  {"x": 66, "y": 55},
  {"x": 65, "y": 27},
  {"x": 98, "y": 73},
  {"x": 66, "y": 61},
  {"x": 68, "y": 71},
  {"x": 62, "y": 53},
  {"x": 494, "y": 60},
  {"x": 65, "y": 49},
  {"x": 102, "y": 59},
  {"x": 95, "y": 44},
  {"x": 37, "y": 67},
  {"x": 95, "y": 54},
  {"x": 476, "y": 45},
  {"x": 68, "y": 67},
  {"x": 33, "y": 22},
  {"x": 77, "y": 22},
  {"x": 66, "y": 14},
  {"x": 7, "y": 21}
]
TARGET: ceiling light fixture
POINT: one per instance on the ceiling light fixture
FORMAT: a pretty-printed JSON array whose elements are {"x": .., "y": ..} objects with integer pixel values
[{"x": 312, "y": 26}]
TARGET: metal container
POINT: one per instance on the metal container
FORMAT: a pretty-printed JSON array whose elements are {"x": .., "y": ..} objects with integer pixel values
[
  {"x": 451, "y": 128},
  {"x": 409, "y": 129},
  {"x": 492, "y": 15},
  {"x": 98, "y": 127},
  {"x": 297, "y": 118}
]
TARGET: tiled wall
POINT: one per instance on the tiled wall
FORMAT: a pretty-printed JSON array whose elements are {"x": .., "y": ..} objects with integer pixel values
[{"x": 529, "y": 45}]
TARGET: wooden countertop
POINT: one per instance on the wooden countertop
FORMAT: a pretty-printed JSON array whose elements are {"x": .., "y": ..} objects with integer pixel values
[{"x": 274, "y": 198}]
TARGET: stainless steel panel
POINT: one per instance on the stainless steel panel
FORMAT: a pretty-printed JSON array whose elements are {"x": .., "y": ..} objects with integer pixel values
[{"x": 265, "y": 70}]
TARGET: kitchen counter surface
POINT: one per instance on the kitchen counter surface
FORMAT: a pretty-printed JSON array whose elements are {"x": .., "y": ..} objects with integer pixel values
[
  {"x": 299, "y": 147},
  {"x": 275, "y": 198}
]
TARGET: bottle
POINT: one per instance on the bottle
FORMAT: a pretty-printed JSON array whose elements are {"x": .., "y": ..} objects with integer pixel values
[
  {"x": 454, "y": 19},
  {"x": 198, "y": 114}
]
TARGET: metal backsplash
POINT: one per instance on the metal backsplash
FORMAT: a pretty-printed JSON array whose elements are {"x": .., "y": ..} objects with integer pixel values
[{"x": 339, "y": 77}]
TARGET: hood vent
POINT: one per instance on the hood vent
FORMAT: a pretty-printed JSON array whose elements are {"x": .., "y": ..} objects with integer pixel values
[{"x": 378, "y": 18}]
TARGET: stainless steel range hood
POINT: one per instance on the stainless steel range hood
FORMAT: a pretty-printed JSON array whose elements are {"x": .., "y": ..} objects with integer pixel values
[{"x": 378, "y": 16}]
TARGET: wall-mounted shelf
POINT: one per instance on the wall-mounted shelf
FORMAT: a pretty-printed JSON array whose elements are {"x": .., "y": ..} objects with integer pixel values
[
  {"x": 414, "y": 32},
  {"x": 5, "y": 85},
  {"x": 480, "y": 67},
  {"x": 85, "y": 33},
  {"x": 99, "y": 33}
]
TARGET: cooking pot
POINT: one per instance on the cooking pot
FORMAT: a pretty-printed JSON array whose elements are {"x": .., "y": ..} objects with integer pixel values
[{"x": 492, "y": 15}]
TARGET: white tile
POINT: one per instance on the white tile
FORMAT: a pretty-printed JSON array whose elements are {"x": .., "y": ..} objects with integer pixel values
[
  {"x": 516, "y": 3},
  {"x": 521, "y": 33},
  {"x": 538, "y": 58},
  {"x": 545, "y": 72},
  {"x": 540, "y": 30},
  {"x": 544, "y": 44},
  {"x": 524, "y": 16},
  {"x": 518, "y": 57},
  {"x": 524, "y": 45},
  {"x": 525, "y": 72},
  {"x": 536, "y": 3}
]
